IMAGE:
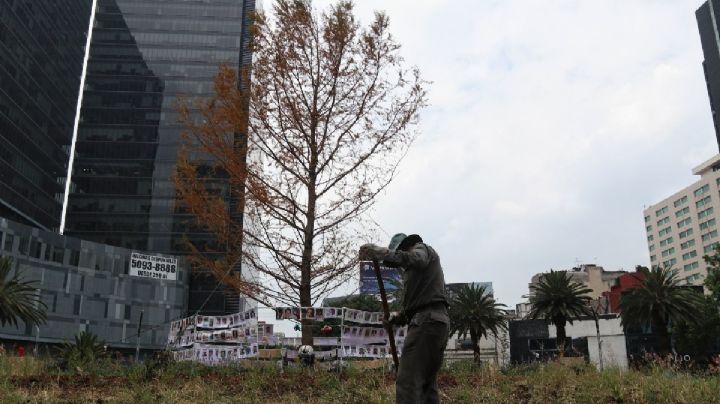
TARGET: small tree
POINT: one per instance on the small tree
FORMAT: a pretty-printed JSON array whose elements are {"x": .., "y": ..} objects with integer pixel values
[
  {"x": 86, "y": 348},
  {"x": 18, "y": 298},
  {"x": 473, "y": 310},
  {"x": 559, "y": 300},
  {"x": 658, "y": 302},
  {"x": 358, "y": 302},
  {"x": 698, "y": 338},
  {"x": 306, "y": 147},
  {"x": 712, "y": 281}
]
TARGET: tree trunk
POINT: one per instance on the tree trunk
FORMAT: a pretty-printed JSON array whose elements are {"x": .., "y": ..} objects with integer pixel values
[
  {"x": 306, "y": 264},
  {"x": 306, "y": 268},
  {"x": 476, "y": 346},
  {"x": 663, "y": 336},
  {"x": 560, "y": 338}
]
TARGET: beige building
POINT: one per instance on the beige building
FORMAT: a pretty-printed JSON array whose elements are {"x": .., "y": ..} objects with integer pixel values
[
  {"x": 594, "y": 277},
  {"x": 683, "y": 227}
]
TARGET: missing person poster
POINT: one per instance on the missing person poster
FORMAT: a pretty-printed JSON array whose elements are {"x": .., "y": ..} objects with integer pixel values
[{"x": 153, "y": 266}]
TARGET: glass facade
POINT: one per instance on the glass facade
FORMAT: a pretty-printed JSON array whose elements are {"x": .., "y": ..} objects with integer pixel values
[
  {"x": 87, "y": 287},
  {"x": 42, "y": 44},
  {"x": 708, "y": 18},
  {"x": 144, "y": 56}
]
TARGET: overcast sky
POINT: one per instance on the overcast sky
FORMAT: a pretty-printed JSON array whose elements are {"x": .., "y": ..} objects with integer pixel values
[{"x": 552, "y": 123}]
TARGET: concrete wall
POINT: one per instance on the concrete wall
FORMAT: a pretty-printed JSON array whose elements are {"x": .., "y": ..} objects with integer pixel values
[
  {"x": 612, "y": 340},
  {"x": 494, "y": 349}
]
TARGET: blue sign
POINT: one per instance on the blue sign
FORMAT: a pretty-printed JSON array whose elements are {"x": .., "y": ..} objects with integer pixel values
[{"x": 368, "y": 280}]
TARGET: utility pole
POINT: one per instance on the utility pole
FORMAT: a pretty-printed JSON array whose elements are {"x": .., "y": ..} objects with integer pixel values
[
  {"x": 137, "y": 343},
  {"x": 37, "y": 340}
]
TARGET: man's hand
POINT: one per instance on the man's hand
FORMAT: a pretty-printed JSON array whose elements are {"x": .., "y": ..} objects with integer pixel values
[
  {"x": 396, "y": 319},
  {"x": 372, "y": 252}
]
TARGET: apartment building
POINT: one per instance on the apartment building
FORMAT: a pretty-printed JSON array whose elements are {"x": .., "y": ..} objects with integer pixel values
[{"x": 683, "y": 227}]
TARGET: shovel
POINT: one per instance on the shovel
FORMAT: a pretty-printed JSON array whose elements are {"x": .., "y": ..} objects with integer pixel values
[{"x": 386, "y": 309}]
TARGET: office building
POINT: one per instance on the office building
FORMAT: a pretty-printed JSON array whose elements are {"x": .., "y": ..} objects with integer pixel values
[
  {"x": 144, "y": 56},
  {"x": 707, "y": 17},
  {"x": 90, "y": 287},
  {"x": 42, "y": 46},
  {"x": 594, "y": 277},
  {"x": 683, "y": 227}
]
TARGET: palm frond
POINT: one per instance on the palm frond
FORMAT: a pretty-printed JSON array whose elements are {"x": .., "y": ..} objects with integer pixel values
[
  {"x": 18, "y": 298},
  {"x": 556, "y": 297},
  {"x": 473, "y": 310},
  {"x": 661, "y": 297}
]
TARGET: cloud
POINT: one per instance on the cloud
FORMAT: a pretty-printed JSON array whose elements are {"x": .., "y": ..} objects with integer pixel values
[{"x": 551, "y": 124}]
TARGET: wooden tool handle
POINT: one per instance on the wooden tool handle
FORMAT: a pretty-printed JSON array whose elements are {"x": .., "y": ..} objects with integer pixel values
[{"x": 389, "y": 328}]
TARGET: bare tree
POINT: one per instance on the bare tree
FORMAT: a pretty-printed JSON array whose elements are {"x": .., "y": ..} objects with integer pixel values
[{"x": 331, "y": 112}]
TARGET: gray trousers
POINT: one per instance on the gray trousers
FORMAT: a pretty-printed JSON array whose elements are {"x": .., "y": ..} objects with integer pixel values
[{"x": 422, "y": 357}]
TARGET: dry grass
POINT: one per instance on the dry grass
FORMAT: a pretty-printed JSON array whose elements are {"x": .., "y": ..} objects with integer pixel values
[{"x": 29, "y": 380}]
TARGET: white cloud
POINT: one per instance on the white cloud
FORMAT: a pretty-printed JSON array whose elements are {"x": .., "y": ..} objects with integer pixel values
[{"x": 551, "y": 124}]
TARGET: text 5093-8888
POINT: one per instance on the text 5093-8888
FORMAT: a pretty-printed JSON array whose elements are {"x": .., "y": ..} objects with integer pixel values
[{"x": 153, "y": 266}]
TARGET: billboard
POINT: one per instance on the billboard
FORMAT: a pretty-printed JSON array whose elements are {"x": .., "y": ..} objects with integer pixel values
[
  {"x": 153, "y": 266},
  {"x": 392, "y": 277}
]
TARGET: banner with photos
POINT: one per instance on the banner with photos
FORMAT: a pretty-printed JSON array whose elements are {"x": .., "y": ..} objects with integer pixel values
[
  {"x": 216, "y": 354},
  {"x": 218, "y": 339},
  {"x": 307, "y": 313}
]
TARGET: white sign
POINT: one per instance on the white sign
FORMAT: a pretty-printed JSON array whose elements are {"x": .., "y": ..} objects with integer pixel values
[{"x": 153, "y": 266}]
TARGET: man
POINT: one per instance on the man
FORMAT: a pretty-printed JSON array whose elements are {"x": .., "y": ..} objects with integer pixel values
[{"x": 424, "y": 310}]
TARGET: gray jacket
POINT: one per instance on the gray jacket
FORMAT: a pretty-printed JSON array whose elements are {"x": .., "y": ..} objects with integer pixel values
[{"x": 423, "y": 278}]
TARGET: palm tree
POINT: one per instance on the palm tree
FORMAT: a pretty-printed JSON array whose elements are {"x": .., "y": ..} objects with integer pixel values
[
  {"x": 659, "y": 301},
  {"x": 559, "y": 300},
  {"x": 473, "y": 310},
  {"x": 86, "y": 348},
  {"x": 18, "y": 300}
]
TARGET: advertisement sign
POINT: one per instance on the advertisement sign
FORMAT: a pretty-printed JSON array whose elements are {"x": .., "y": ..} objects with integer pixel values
[
  {"x": 153, "y": 266},
  {"x": 368, "y": 280}
]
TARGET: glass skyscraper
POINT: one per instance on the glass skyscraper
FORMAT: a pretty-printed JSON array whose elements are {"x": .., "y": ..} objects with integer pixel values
[
  {"x": 144, "y": 56},
  {"x": 708, "y": 17},
  {"x": 42, "y": 45}
]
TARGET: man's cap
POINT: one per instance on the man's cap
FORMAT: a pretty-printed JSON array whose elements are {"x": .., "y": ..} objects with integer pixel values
[{"x": 409, "y": 241}]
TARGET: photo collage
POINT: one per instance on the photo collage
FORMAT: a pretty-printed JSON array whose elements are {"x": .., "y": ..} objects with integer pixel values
[
  {"x": 361, "y": 332},
  {"x": 217, "y": 339}
]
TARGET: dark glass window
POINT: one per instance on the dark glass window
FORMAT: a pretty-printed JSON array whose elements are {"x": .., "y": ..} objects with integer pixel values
[
  {"x": 58, "y": 254},
  {"x": 40, "y": 66},
  {"x": 76, "y": 305},
  {"x": 9, "y": 239},
  {"x": 74, "y": 258},
  {"x": 24, "y": 245}
]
